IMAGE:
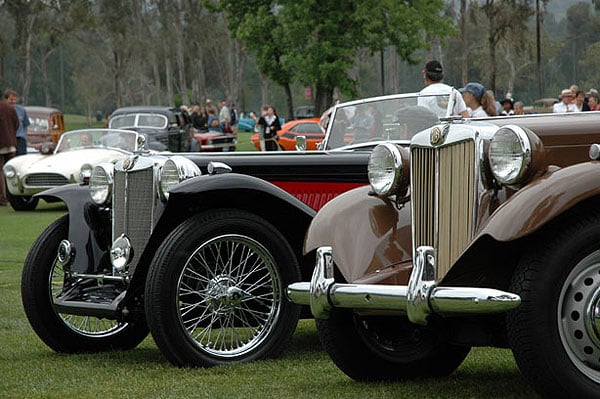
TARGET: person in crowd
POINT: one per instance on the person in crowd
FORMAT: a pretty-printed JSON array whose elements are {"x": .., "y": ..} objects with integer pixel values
[
  {"x": 574, "y": 89},
  {"x": 213, "y": 120},
  {"x": 260, "y": 125},
  {"x": 85, "y": 140},
  {"x": 107, "y": 121},
  {"x": 580, "y": 102},
  {"x": 12, "y": 98},
  {"x": 9, "y": 124},
  {"x": 210, "y": 106},
  {"x": 593, "y": 102},
  {"x": 224, "y": 117},
  {"x": 473, "y": 94},
  {"x": 566, "y": 103},
  {"x": 507, "y": 107},
  {"x": 234, "y": 119},
  {"x": 272, "y": 126},
  {"x": 200, "y": 119},
  {"x": 433, "y": 75},
  {"x": 519, "y": 108}
]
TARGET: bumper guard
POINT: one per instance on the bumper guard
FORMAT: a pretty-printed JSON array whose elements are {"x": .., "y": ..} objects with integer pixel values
[{"x": 419, "y": 299}]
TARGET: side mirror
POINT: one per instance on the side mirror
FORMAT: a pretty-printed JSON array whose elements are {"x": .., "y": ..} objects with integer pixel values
[{"x": 300, "y": 143}]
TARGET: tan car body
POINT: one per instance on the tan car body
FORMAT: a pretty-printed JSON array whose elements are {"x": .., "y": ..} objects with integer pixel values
[{"x": 382, "y": 253}]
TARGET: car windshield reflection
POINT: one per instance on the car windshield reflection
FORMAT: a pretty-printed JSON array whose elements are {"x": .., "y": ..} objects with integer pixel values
[
  {"x": 365, "y": 123},
  {"x": 97, "y": 138}
]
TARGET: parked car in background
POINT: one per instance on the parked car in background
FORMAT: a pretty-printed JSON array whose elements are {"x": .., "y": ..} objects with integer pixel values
[
  {"x": 45, "y": 126},
  {"x": 286, "y": 137},
  {"x": 165, "y": 128},
  {"x": 212, "y": 141},
  {"x": 70, "y": 162},
  {"x": 482, "y": 233},
  {"x": 305, "y": 111},
  {"x": 198, "y": 248}
]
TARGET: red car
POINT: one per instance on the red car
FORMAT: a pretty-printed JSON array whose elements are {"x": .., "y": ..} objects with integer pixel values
[{"x": 308, "y": 127}]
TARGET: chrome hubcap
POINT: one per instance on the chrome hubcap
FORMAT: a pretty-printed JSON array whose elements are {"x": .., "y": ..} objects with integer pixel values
[{"x": 579, "y": 316}]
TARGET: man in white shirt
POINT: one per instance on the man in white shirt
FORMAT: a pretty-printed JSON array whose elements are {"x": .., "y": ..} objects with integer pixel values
[
  {"x": 224, "y": 116},
  {"x": 433, "y": 74},
  {"x": 565, "y": 104}
]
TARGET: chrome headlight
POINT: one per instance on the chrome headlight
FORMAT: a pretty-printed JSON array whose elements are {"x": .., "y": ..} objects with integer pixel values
[
  {"x": 85, "y": 172},
  {"x": 9, "y": 171},
  {"x": 386, "y": 169},
  {"x": 510, "y": 154},
  {"x": 101, "y": 183},
  {"x": 175, "y": 170}
]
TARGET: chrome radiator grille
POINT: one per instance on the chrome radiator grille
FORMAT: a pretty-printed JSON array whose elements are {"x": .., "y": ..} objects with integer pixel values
[
  {"x": 45, "y": 180},
  {"x": 133, "y": 208},
  {"x": 443, "y": 192}
]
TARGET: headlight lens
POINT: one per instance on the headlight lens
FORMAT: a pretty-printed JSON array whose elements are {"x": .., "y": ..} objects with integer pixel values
[
  {"x": 510, "y": 154},
  {"x": 101, "y": 182},
  {"x": 9, "y": 172},
  {"x": 85, "y": 172},
  {"x": 175, "y": 170},
  {"x": 385, "y": 169}
]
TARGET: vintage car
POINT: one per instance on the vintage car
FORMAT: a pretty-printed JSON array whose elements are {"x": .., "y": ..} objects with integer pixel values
[
  {"x": 165, "y": 128},
  {"x": 198, "y": 248},
  {"x": 481, "y": 233},
  {"x": 45, "y": 126},
  {"x": 212, "y": 141},
  {"x": 71, "y": 161},
  {"x": 286, "y": 137}
]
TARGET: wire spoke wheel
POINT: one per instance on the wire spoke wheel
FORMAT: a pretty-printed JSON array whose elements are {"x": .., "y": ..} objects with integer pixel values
[
  {"x": 85, "y": 325},
  {"x": 228, "y": 295}
]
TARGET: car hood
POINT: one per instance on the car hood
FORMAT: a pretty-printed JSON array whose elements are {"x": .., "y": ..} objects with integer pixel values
[{"x": 64, "y": 162}]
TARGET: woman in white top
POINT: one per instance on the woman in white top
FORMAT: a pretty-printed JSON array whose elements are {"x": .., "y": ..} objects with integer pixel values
[{"x": 472, "y": 94}]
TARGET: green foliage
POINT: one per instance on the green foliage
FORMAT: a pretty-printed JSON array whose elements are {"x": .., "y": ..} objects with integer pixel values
[{"x": 316, "y": 42}]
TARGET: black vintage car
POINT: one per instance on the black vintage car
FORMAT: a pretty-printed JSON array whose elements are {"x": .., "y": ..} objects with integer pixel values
[
  {"x": 166, "y": 128},
  {"x": 198, "y": 248}
]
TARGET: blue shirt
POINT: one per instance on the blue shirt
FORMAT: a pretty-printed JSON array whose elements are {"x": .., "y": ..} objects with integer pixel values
[{"x": 23, "y": 121}]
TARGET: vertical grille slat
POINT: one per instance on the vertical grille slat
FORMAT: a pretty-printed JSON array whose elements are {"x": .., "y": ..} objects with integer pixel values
[
  {"x": 133, "y": 208},
  {"x": 443, "y": 187}
]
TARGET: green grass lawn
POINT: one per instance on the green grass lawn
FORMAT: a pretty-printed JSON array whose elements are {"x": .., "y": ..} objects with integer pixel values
[{"x": 28, "y": 369}]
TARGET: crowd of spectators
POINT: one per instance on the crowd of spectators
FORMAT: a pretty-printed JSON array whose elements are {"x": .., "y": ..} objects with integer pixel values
[{"x": 208, "y": 117}]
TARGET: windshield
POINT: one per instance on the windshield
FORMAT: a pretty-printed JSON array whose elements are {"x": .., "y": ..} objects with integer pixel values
[
  {"x": 97, "y": 138},
  {"x": 138, "y": 120},
  {"x": 384, "y": 118}
]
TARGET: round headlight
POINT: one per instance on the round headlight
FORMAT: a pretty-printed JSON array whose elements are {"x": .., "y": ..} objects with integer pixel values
[
  {"x": 9, "y": 171},
  {"x": 385, "y": 169},
  {"x": 510, "y": 154},
  {"x": 175, "y": 170},
  {"x": 101, "y": 182},
  {"x": 85, "y": 172}
]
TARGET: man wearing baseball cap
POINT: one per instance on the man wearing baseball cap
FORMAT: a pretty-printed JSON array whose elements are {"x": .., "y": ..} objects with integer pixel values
[{"x": 433, "y": 75}]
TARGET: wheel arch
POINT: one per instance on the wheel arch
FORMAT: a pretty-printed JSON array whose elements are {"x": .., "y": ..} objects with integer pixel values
[
  {"x": 288, "y": 214},
  {"x": 491, "y": 262}
]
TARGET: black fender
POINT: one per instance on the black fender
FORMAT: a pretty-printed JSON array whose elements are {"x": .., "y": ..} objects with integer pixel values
[
  {"x": 89, "y": 226},
  {"x": 203, "y": 193}
]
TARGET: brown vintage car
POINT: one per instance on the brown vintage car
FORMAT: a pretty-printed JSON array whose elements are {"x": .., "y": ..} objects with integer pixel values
[
  {"x": 45, "y": 126},
  {"x": 481, "y": 233}
]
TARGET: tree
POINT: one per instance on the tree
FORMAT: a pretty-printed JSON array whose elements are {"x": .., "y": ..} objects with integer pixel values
[{"x": 314, "y": 43}]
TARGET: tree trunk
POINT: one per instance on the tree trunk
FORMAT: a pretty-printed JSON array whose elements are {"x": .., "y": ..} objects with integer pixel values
[
  {"x": 289, "y": 102},
  {"x": 323, "y": 98},
  {"x": 464, "y": 67}
]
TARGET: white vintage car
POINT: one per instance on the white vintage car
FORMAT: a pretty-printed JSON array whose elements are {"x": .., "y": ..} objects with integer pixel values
[{"x": 71, "y": 161}]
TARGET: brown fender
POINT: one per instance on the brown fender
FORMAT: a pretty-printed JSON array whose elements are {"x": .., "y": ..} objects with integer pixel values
[
  {"x": 371, "y": 238},
  {"x": 542, "y": 200}
]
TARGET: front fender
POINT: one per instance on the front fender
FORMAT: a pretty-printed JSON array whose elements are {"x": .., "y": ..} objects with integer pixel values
[
  {"x": 541, "y": 201},
  {"x": 89, "y": 227},
  {"x": 370, "y": 237}
]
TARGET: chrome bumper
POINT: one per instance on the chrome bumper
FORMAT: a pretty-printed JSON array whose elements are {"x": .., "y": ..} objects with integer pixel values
[{"x": 418, "y": 300}]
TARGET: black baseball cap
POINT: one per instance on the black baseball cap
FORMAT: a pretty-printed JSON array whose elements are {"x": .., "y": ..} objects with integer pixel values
[{"x": 434, "y": 67}]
